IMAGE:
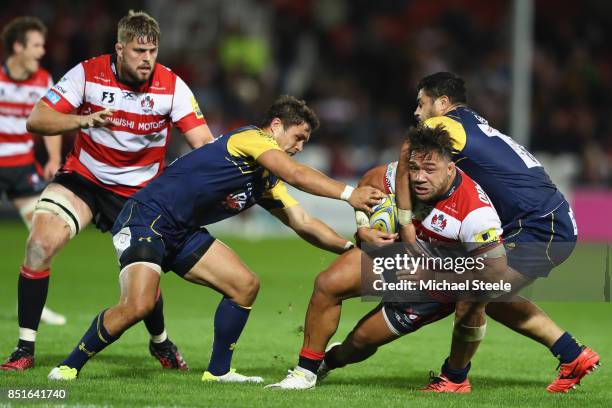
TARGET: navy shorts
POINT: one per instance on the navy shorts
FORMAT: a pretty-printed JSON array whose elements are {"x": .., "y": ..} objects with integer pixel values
[
  {"x": 407, "y": 317},
  {"x": 536, "y": 245},
  {"x": 141, "y": 234},
  {"x": 21, "y": 181}
]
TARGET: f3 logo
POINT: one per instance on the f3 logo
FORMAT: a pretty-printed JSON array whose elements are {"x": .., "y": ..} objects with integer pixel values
[{"x": 110, "y": 96}]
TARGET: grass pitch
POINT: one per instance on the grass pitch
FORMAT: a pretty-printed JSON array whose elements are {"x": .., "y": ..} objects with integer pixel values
[{"x": 509, "y": 370}]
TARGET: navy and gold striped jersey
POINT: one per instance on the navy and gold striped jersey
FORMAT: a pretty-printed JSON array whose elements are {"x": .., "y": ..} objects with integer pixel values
[
  {"x": 515, "y": 181},
  {"x": 217, "y": 181}
]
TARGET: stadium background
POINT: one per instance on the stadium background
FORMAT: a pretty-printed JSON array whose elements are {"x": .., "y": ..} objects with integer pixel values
[{"x": 356, "y": 63}]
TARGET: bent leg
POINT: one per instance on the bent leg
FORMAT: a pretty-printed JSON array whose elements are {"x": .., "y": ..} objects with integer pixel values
[
  {"x": 221, "y": 269},
  {"x": 139, "y": 282},
  {"x": 363, "y": 341}
]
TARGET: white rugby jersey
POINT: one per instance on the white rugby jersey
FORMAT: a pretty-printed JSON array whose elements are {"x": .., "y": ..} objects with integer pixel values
[
  {"x": 126, "y": 155},
  {"x": 464, "y": 214},
  {"x": 17, "y": 98}
]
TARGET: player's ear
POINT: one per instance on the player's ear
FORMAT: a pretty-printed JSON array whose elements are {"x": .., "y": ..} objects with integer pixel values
[
  {"x": 451, "y": 167},
  {"x": 18, "y": 47},
  {"x": 119, "y": 49}
]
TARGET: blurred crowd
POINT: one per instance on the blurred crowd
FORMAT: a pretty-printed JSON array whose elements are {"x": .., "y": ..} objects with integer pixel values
[{"x": 357, "y": 63}]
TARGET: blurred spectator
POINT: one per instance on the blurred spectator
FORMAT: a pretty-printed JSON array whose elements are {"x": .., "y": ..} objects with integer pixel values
[{"x": 358, "y": 62}]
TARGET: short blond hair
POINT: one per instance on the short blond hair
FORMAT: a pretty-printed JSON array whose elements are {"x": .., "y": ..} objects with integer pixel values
[{"x": 138, "y": 24}]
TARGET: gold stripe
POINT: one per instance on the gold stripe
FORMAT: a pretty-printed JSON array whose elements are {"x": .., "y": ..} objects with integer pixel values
[
  {"x": 130, "y": 216},
  {"x": 98, "y": 327},
  {"x": 518, "y": 232},
  {"x": 153, "y": 223},
  {"x": 552, "y": 234}
]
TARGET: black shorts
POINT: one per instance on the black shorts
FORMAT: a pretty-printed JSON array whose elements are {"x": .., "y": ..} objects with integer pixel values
[
  {"x": 21, "y": 181},
  {"x": 104, "y": 204}
]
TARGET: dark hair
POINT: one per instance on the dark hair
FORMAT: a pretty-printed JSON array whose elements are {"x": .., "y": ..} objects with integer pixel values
[
  {"x": 291, "y": 111},
  {"x": 425, "y": 139},
  {"x": 16, "y": 30},
  {"x": 444, "y": 83}
]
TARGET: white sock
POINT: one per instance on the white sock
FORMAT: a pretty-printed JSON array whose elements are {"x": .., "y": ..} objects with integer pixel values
[
  {"x": 27, "y": 334},
  {"x": 160, "y": 338}
]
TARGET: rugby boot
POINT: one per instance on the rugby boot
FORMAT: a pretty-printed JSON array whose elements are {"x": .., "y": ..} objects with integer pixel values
[
  {"x": 19, "y": 360},
  {"x": 571, "y": 373},
  {"x": 168, "y": 356}
]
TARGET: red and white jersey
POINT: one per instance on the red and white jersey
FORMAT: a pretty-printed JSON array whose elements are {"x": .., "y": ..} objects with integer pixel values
[
  {"x": 126, "y": 155},
  {"x": 464, "y": 214},
  {"x": 17, "y": 98}
]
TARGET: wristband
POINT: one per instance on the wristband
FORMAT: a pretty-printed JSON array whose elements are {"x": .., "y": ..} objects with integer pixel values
[
  {"x": 346, "y": 194},
  {"x": 404, "y": 216},
  {"x": 348, "y": 245},
  {"x": 362, "y": 219}
]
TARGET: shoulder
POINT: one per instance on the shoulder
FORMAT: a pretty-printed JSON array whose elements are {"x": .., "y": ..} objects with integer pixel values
[
  {"x": 467, "y": 198},
  {"x": 164, "y": 77},
  {"x": 99, "y": 62},
  {"x": 453, "y": 126}
]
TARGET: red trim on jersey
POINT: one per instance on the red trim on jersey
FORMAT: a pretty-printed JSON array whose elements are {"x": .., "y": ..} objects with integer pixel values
[
  {"x": 119, "y": 158},
  {"x": 62, "y": 106},
  {"x": 190, "y": 121},
  {"x": 39, "y": 78},
  {"x": 73, "y": 164},
  {"x": 15, "y": 138},
  {"x": 17, "y": 160},
  {"x": 15, "y": 109}
]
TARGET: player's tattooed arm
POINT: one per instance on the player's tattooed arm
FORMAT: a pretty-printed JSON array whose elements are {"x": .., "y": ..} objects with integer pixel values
[
  {"x": 402, "y": 195},
  {"x": 311, "y": 229}
]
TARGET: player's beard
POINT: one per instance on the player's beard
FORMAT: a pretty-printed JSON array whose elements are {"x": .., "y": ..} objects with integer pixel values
[{"x": 133, "y": 77}]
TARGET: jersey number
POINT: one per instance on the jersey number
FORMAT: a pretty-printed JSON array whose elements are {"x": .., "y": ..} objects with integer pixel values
[{"x": 528, "y": 158}]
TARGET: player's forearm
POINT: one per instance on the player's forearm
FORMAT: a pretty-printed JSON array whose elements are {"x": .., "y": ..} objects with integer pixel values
[
  {"x": 46, "y": 121},
  {"x": 53, "y": 144},
  {"x": 322, "y": 236},
  {"x": 314, "y": 182}
]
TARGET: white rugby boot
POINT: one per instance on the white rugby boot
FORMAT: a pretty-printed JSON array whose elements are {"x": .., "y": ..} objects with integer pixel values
[{"x": 298, "y": 379}]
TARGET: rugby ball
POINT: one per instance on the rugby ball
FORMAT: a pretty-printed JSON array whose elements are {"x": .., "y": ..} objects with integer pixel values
[{"x": 384, "y": 216}]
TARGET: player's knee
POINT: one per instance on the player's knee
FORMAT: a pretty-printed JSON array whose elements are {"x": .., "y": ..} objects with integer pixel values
[
  {"x": 138, "y": 309},
  {"x": 468, "y": 309},
  {"x": 40, "y": 249},
  {"x": 326, "y": 285},
  {"x": 245, "y": 292},
  {"x": 361, "y": 339}
]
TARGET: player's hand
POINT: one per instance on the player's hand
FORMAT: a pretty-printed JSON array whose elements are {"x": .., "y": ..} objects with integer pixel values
[
  {"x": 364, "y": 198},
  {"x": 374, "y": 236},
  {"x": 404, "y": 152},
  {"x": 97, "y": 119},
  {"x": 51, "y": 167}
]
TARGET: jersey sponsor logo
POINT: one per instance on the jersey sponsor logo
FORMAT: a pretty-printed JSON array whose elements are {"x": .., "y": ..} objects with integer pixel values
[
  {"x": 235, "y": 202},
  {"x": 482, "y": 196},
  {"x": 196, "y": 108},
  {"x": 62, "y": 90},
  {"x": 489, "y": 235},
  {"x": 108, "y": 98},
  {"x": 128, "y": 95},
  {"x": 52, "y": 97},
  {"x": 438, "y": 222},
  {"x": 147, "y": 103}
]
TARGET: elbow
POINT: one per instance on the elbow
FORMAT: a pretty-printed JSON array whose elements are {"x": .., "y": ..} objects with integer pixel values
[{"x": 31, "y": 125}]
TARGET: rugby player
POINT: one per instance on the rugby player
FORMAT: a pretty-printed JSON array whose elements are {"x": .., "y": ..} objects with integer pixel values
[
  {"x": 536, "y": 219},
  {"x": 22, "y": 83},
  {"x": 122, "y": 106},
  {"x": 442, "y": 192},
  {"x": 162, "y": 228}
]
